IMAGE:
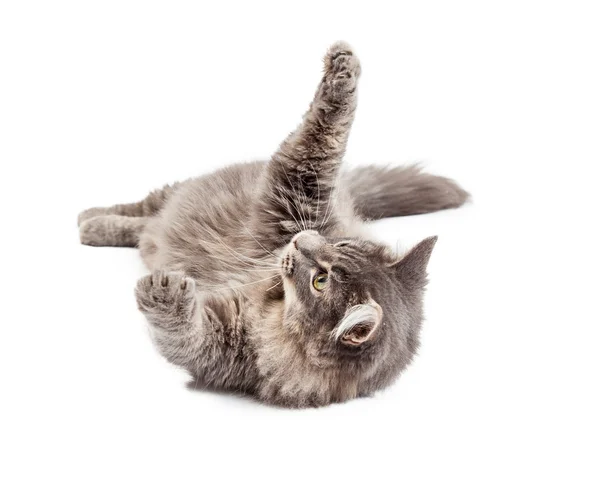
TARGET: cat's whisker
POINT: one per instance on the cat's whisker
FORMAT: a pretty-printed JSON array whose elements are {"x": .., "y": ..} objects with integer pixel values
[
  {"x": 299, "y": 204},
  {"x": 318, "y": 191},
  {"x": 210, "y": 246},
  {"x": 304, "y": 203},
  {"x": 327, "y": 209},
  {"x": 246, "y": 284},
  {"x": 233, "y": 259},
  {"x": 287, "y": 205},
  {"x": 274, "y": 286},
  {"x": 254, "y": 263},
  {"x": 325, "y": 216},
  {"x": 259, "y": 243},
  {"x": 290, "y": 208},
  {"x": 332, "y": 193},
  {"x": 240, "y": 256},
  {"x": 296, "y": 193},
  {"x": 308, "y": 208}
]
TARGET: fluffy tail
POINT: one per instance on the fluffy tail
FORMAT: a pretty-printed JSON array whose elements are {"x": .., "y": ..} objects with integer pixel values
[{"x": 381, "y": 192}]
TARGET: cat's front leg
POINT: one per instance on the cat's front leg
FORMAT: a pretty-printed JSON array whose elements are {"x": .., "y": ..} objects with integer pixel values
[
  {"x": 318, "y": 144},
  {"x": 301, "y": 176},
  {"x": 170, "y": 303},
  {"x": 201, "y": 331},
  {"x": 337, "y": 92}
]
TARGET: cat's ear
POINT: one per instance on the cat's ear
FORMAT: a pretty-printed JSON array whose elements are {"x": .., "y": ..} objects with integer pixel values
[
  {"x": 411, "y": 270},
  {"x": 358, "y": 324}
]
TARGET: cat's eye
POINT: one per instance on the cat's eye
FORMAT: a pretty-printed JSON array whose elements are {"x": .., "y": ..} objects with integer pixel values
[{"x": 320, "y": 281}]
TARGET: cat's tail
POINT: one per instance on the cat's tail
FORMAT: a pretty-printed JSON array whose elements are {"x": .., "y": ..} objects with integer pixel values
[{"x": 381, "y": 192}]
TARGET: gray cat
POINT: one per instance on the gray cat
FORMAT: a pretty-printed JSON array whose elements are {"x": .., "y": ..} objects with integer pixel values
[{"x": 263, "y": 281}]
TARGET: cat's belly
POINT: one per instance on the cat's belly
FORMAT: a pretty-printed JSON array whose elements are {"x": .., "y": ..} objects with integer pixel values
[{"x": 203, "y": 228}]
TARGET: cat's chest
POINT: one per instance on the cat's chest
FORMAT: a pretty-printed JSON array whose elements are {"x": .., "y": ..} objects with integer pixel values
[{"x": 291, "y": 372}]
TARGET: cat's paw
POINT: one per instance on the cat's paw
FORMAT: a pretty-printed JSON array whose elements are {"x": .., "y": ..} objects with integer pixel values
[
  {"x": 342, "y": 69},
  {"x": 92, "y": 231},
  {"x": 166, "y": 298},
  {"x": 90, "y": 213}
]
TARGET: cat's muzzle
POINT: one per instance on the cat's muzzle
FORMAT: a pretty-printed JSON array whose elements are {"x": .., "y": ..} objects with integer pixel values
[{"x": 293, "y": 249}]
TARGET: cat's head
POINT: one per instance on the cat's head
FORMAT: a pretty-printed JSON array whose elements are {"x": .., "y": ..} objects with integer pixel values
[{"x": 355, "y": 300}]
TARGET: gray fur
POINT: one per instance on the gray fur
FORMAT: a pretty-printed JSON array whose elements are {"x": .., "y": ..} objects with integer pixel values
[
  {"x": 380, "y": 192},
  {"x": 112, "y": 230},
  {"x": 234, "y": 255}
]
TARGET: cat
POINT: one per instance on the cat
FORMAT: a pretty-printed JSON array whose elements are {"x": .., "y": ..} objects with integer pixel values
[{"x": 263, "y": 281}]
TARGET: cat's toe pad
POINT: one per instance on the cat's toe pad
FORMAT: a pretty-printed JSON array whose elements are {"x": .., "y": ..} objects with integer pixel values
[
  {"x": 339, "y": 48},
  {"x": 341, "y": 62},
  {"x": 166, "y": 295}
]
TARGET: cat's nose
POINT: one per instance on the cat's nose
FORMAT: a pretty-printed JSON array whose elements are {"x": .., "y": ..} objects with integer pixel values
[{"x": 307, "y": 240}]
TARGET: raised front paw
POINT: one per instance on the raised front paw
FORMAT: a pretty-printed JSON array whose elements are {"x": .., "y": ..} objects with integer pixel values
[
  {"x": 342, "y": 70},
  {"x": 167, "y": 299}
]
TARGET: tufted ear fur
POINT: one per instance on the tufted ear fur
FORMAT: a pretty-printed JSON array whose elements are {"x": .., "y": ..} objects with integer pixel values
[
  {"x": 412, "y": 269},
  {"x": 359, "y": 324}
]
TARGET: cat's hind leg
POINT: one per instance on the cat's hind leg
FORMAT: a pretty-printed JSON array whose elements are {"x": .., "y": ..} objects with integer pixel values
[
  {"x": 112, "y": 230},
  {"x": 149, "y": 206}
]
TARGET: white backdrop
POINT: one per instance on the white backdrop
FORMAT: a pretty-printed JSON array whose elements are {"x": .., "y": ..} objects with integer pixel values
[{"x": 102, "y": 101}]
